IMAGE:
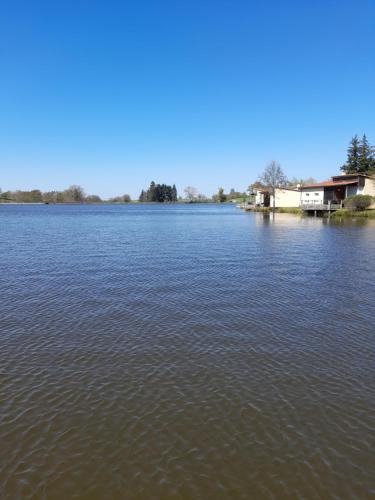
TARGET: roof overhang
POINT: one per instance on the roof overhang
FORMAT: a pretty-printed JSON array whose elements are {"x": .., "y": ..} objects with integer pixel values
[{"x": 329, "y": 184}]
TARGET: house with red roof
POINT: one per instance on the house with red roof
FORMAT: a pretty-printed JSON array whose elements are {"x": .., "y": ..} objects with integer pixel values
[{"x": 336, "y": 190}]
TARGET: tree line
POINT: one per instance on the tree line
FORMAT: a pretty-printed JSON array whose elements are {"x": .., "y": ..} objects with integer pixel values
[
  {"x": 73, "y": 194},
  {"x": 159, "y": 193},
  {"x": 192, "y": 195}
]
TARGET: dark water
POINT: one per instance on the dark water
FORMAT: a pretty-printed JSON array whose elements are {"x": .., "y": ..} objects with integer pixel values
[{"x": 193, "y": 352}]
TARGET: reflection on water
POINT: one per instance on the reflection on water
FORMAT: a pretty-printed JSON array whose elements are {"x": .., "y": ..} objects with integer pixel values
[
  {"x": 291, "y": 219},
  {"x": 185, "y": 352}
]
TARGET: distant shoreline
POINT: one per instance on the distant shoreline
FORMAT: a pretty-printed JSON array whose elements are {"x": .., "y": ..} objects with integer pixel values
[{"x": 121, "y": 203}]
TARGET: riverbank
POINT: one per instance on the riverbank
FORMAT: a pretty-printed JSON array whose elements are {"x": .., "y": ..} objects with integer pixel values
[
  {"x": 282, "y": 210},
  {"x": 370, "y": 214},
  {"x": 343, "y": 212}
]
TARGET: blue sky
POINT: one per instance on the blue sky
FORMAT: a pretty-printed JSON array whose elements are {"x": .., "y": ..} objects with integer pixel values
[{"x": 114, "y": 94}]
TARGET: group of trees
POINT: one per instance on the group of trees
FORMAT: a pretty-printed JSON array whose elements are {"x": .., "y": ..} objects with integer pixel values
[
  {"x": 73, "y": 194},
  {"x": 160, "y": 193},
  {"x": 164, "y": 193},
  {"x": 193, "y": 196},
  {"x": 125, "y": 198},
  {"x": 220, "y": 197},
  {"x": 361, "y": 157}
]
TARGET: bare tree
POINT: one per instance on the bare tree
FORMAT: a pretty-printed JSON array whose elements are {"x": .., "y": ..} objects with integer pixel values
[
  {"x": 273, "y": 177},
  {"x": 191, "y": 193},
  {"x": 74, "y": 194},
  {"x": 202, "y": 198},
  {"x": 302, "y": 182}
]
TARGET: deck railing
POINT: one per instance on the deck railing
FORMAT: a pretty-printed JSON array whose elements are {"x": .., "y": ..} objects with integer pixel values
[{"x": 321, "y": 206}]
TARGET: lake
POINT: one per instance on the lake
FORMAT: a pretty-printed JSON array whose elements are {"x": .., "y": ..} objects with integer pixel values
[{"x": 187, "y": 351}]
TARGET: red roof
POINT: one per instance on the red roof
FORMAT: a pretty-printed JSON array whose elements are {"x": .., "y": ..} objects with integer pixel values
[{"x": 330, "y": 184}]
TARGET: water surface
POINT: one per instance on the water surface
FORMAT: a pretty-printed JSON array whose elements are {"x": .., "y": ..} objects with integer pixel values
[{"x": 189, "y": 352}]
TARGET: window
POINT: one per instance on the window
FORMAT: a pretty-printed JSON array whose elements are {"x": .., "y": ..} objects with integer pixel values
[
  {"x": 307, "y": 194},
  {"x": 316, "y": 194}
]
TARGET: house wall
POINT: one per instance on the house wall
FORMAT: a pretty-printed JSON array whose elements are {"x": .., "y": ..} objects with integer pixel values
[
  {"x": 259, "y": 198},
  {"x": 369, "y": 188},
  {"x": 312, "y": 196},
  {"x": 286, "y": 198}
]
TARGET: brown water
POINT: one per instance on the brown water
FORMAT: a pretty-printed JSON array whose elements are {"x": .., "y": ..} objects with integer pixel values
[{"x": 185, "y": 352}]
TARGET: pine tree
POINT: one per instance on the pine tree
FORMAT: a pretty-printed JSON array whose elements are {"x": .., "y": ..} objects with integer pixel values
[
  {"x": 143, "y": 196},
  {"x": 159, "y": 193},
  {"x": 366, "y": 156},
  {"x": 174, "y": 193},
  {"x": 352, "y": 165},
  {"x": 221, "y": 196},
  {"x": 151, "y": 193}
]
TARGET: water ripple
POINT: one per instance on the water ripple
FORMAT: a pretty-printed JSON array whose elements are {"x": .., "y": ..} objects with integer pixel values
[{"x": 185, "y": 352}]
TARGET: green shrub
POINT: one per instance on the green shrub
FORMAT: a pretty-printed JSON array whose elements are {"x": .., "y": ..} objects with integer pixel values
[{"x": 358, "y": 202}]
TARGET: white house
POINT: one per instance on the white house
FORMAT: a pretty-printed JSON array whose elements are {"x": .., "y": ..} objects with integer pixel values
[
  {"x": 333, "y": 192},
  {"x": 336, "y": 190}
]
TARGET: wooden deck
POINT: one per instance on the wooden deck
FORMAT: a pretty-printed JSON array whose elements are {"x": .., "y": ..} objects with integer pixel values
[
  {"x": 326, "y": 207},
  {"x": 305, "y": 207}
]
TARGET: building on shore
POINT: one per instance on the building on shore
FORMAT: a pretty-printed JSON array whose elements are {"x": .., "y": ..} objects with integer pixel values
[
  {"x": 286, "y": 197},
  {"x": 326, "y": 195},
  {"x": 262, "y": 197},
  {"x": 335, "y": 191}
]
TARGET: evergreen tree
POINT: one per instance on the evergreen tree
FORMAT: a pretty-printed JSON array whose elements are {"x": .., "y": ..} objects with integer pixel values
[
  {"x": 174, "y": 193},
  {"x": 221, "y": 196},
  {"x": 160, "y": 193},
  {"x": 151, "y": 193},
  {"x": 143, "y": 196},
  {"x": 366, "y": 156},
  {"x": 352, "y": 165}
]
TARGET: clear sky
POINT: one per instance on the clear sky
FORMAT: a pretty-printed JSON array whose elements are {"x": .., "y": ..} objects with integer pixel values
[{"x": 113, "y": 94}]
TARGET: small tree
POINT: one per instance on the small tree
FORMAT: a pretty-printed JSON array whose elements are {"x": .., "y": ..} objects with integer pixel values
[
  {"x": 221, "y": 197},
  {"x": 74, "y": 194},
  {"x": 202, "y": 198},
  {"x": 174, "y": 193},
  {"x": 191, "y": 193},
  {"x": 254, "y": 186},
  {"x": 151, "y": 193},
  {"x": 273, "y": 177},
  {"x": 143, "y": 196}
]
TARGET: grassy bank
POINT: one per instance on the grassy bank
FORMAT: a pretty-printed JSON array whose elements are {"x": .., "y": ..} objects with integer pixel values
[
  {"x": 343, "y": 212},
  {"x": 291, "y": 210}
]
